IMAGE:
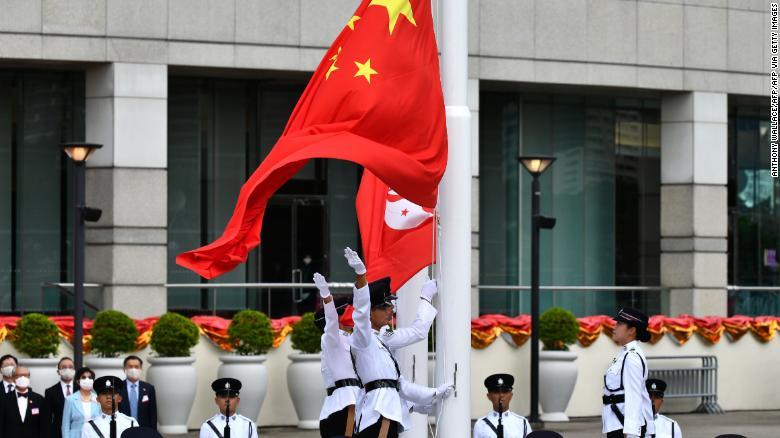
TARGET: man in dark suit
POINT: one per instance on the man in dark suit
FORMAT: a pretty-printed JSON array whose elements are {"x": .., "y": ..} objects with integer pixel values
[
  {"x": 55, "y": 395},
  {"x": 138, "y": 397},
  {"x": 7, "y": 365},
  {"x": 25, "y": 414}
]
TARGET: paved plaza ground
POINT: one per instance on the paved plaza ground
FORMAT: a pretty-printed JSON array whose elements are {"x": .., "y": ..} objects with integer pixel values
[{"x": 752, "y": 424}]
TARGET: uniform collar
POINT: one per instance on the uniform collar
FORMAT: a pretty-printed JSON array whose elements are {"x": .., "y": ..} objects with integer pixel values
[
  {"x": 630, "y": 345},
  {"x": 232, "y": 417},
  {"x": 494, "y": 414}
]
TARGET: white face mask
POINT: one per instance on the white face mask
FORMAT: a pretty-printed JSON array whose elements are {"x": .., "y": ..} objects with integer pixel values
[
  {"x": 133, "y": 373},
  {"x": 67, "y": 374},
  {"x": 86, "y": 384},
  {"x": 22, "y": 382},
  {"x": 8, "y": 371}
]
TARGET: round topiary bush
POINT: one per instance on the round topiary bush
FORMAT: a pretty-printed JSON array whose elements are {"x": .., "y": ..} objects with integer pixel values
[
  {"x": 558, "y": 328},
  {"x": 174, "y": 335},
  {"x": 113, "y": 333},
  {"x": 36, "y": 336},
  {"x": 250, "y": 333},
  {"x": 306, "y": 335}
]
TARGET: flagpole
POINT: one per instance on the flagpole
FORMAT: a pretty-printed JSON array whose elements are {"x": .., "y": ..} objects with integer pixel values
[{"x": 453, "y": 326}]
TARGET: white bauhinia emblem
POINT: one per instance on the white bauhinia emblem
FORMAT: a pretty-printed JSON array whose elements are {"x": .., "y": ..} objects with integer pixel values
[
  {"x": 401, "y": 214},
  {"x": 500, "y": 381},
  {"x": 227, "y": 385}
]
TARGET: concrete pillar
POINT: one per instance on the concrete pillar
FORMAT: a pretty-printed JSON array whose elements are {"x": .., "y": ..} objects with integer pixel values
[
  {"x": 694, "y": 216},
  {"x": 126, "y": 111}
]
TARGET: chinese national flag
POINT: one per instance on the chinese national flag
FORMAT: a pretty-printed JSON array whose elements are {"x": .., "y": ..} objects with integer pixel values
[
  {"x": 375, "y": 100},
  {"x": 397, "y": 234}
]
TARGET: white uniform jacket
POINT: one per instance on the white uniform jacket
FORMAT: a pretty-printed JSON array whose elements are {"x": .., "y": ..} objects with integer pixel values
[
  {"x": 103, "y": 423},
  {"x": 515, "y": 426},
  {"x": 626, "y": 375},
  {"x": 240, "y": 427},
  {"x": 374, "y": 360},
  {"x": 336, "y": 365},
  {"x": 665, "y": 427}
]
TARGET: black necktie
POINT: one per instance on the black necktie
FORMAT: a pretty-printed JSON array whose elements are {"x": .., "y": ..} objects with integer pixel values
[{"x": 19, "y": 394}]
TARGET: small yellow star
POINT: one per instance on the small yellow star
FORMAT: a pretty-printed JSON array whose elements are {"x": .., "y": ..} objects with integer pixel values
[
  {"x": 336, "y": 56},
  {"x": 365, "y": 70},
  {"x": 394, "y": 9},
  {"x": 331, "y": 70},
  {"x": 352, "y": 21}
]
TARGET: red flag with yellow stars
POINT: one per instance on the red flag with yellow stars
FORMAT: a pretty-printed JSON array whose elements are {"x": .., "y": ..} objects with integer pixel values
[{"x": 375, "y": 100}]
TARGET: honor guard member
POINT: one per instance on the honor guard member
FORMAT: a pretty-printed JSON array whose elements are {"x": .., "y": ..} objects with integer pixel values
[
  {"x": 501, "y": 422},
  {"x": 227, "y": 424},
  {"x": 383, "y": 411},
  {"x": 627, "y": 410},
  {"x": 337, "y": 416},
  {"x": 665, "y": 427},
  {"x": 107, "y": 389}
]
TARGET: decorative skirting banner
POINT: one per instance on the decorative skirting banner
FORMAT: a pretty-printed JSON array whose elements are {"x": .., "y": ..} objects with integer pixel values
[{"x": 486, "y": 328}]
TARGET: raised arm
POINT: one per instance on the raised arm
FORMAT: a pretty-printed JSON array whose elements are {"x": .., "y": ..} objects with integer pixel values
[
  {"x": 331, "y": 337},
  {"x": 361, "y": 333},
  {"x": 418, "y": 331}
]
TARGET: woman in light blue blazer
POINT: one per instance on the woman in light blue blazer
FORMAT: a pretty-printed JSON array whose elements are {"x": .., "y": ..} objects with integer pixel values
[{"x": 81, "y": 406}]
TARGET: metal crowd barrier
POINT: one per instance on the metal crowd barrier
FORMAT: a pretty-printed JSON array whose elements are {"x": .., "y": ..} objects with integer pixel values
[{"x": 690, "y": 382}]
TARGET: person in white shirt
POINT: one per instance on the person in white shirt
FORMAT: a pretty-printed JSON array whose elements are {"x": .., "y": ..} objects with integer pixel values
[
  {"x": 388, "y": 398},
  {"x": 627, "y": 410},
  {"x": 501, "y": 422},
  {"x": 665, "y": 427},
  {"x": 226, "y": 397},
  {"x": 8, "y": 364},
  {"x": 107, "y": 388},
  {"x": 24, "y": 413}
]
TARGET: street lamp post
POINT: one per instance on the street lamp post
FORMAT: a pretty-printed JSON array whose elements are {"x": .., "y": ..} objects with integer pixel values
[
  {"x": 536, "y": 165},
  {"x": 79, "y": 152}
]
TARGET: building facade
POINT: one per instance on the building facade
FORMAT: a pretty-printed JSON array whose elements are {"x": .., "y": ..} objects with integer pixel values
[{"x": 657, "y": 112}]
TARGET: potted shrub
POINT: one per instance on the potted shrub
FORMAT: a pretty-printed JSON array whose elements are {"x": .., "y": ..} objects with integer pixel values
[
  {"x": 251, "y": 337},
  {"x": 113, "y": 333},
  {"x": 39, "y": 338},
  {"x": 304, "y": 380},
  {"x": 171, "y": 371},
  {"x": 558, "y": 329}
]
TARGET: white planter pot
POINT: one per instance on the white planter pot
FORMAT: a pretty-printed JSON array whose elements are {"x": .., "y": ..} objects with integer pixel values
[
  {"x": 307, "y": 390},
  {"x": 43, "y": 372},
  {"x": 106, "y": 366},
  {"x": 254, "y": 380},
  {"x": 175, "y": 381},
  {"x": 557, "y": 376}
]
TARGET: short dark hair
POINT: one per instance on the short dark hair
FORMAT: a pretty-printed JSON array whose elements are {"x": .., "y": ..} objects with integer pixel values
[
  {"x": 63, "y": 360},
  {"x": 9, "y": 356},
  {"x": 84, "y": 370},
  {"x": 131, "y": 357}
]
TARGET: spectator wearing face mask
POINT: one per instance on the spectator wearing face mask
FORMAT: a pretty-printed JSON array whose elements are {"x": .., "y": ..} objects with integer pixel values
[
  {"x": 81, "y": 406},
  {"x": 139, "y": 399},
  {"x": 24, "y": 413},
  {"x": 8, "y": 364},
  {"x": 57, "y": 393}
]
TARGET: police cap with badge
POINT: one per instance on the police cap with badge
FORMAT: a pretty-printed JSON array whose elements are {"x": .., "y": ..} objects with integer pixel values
[
  {"x": 107, "y": 385},
  {"x": 656, "y": 387},
  {"x": 499, "y": 383},
  {"x": 381, "y": 295},
  {"x": 226, "y": 387},
  {"x": 636, "y": 319}
]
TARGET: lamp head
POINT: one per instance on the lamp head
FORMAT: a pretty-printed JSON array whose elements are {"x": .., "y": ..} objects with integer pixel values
[
  {"x": 535, "y": 164},
  {"x": 80, "y": 151}
]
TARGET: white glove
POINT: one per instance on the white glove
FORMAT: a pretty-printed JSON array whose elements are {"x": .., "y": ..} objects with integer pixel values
[
  {"x": 353, "y": 259},
  {"x": 429, "y": 290},
  {"x": 322, "y": 285},
  {"x": 444, "y": 391}
]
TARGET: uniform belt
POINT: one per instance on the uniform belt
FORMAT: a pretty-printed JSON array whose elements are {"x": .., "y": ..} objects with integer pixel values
[
  {"x": 343, "y": 383},
  {"x": 613, "y": 399},
  {"x": 383, "y": 383}
]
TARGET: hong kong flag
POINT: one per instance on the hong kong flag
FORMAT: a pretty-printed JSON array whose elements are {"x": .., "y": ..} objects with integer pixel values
[
  {"x": 397, "y": 234},
  {"x": 375, "y": 100}
]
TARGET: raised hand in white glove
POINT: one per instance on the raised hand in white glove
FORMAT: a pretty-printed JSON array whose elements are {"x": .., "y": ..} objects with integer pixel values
[
  {"x": 322, "y": 285},
  {"x": 429, "y": 290},
  {"x": 353, "y": 259},
  {"x": 444, "y": 391}
]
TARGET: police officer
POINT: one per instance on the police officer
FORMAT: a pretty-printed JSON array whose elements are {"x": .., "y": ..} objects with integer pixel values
[
  {"x": 337, "y": 416},
  {"x": 227, "y": 424},
  {"x": 627, "y": 410},
  {"x": 107, "y": 388},
  {"x": 384, "y": 411},
  {"x": 500, "y": 422},
  {"x": 665, "y": 427}
]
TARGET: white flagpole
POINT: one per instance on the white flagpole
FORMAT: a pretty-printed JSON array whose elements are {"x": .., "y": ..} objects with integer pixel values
[{"x": 453, "y": 326}]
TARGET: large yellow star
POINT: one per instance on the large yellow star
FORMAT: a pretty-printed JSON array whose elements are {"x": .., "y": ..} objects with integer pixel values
[
  {"x": 365, "y": 70},
  {"x": 351, "y": 22},
  {"x": 394, "y": 9}
]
